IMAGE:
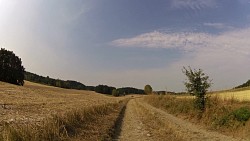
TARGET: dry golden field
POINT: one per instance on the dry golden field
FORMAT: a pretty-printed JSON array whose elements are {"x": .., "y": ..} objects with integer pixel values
[
  {"x": 240, "y": 95},
  {"x": 34, "y": 102},
  {"x": 243, "y": 95}
]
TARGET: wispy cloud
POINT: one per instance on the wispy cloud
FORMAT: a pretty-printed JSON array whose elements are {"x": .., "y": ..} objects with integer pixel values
[
  {"x": 236, "y": 41},
  {"x": 193, "y": 4},
  {"x": 158, "y": 39},
  {"x": 218, "y": 25}
]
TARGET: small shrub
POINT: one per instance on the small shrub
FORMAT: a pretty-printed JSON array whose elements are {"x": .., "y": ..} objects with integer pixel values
[
  {"x": 197, "y": 84},
  {"x": 235, "y": 117},
  {"x": 242, "y": 114}
]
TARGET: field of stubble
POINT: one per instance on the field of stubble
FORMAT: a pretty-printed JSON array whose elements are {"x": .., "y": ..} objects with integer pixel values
[{"x": 34, "y": 102}]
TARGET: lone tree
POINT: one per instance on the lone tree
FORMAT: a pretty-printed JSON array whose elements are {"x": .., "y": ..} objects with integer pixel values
[
  {"x": 11, "y": 69},
  {"x": 148, "y": 89},
  {"x": 115, "y": 92},
  {"x": 197, "y": 84}
]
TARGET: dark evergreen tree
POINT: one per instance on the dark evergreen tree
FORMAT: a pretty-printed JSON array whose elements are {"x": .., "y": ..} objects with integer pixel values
[{"x": 11, "y": 69}]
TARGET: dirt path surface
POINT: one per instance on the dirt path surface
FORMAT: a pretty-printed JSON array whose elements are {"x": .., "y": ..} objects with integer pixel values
[
  {"x": 132, "y": 128},
  {"x": 143, "y": 122}
]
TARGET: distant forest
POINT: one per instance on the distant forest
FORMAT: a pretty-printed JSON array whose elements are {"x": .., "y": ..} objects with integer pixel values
[
  {"x": 247, "y": 84},
  {"x": 70, "y": 84}
]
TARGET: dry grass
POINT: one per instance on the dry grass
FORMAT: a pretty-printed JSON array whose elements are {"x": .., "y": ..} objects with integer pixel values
[
  {"x": 38, "y": 111},
  {"x": 217, "y": 116}
]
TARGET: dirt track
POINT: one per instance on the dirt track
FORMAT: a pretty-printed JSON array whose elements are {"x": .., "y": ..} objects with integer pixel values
[{"x": 142, "y": 122}]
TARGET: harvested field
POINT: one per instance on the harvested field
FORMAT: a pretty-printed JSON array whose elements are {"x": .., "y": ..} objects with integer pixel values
[{"x": 34, "y": 102}]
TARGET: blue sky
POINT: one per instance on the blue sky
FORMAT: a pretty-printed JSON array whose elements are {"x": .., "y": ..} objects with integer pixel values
[{"x": 130, "y": 42}]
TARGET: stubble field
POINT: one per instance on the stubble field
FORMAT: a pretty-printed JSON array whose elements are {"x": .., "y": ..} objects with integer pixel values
[
  {"x": 40, "y": 112},
  {"x": 34, "y": 102}
]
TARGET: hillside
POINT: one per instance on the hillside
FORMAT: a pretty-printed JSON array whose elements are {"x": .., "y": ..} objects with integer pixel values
[{"x": 246, "y": 84}]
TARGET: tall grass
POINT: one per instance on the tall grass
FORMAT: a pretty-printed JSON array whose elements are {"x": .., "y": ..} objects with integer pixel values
[
  {"x": 71, "y": 125},
  {"x": 225, "y": 115}
]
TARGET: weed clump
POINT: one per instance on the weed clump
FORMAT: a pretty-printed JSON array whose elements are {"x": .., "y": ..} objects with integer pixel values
[
  {"x": 235, "y": 118},
  {"x": 242, "y": 114}
]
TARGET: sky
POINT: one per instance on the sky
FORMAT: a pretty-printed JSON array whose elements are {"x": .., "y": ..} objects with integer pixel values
[{"x": 130, "y": 42}]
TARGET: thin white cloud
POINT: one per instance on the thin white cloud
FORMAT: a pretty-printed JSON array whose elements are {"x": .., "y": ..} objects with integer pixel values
[
  {"x": 193, "y": 4},
  {"x": 218, "y": 25},
  {"x": 157, "y": 39},
  {"x": 236, "y": 41}
]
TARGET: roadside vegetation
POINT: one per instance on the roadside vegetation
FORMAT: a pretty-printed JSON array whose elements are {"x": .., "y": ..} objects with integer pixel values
[
  {"x": 197, "y": 84},
  {"x": 228, "y": 116}
]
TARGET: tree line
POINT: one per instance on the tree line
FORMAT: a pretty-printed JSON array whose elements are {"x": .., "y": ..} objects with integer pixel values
[
  {"x": 246, "y": 84},
  {"x": 70, "y": 84}
]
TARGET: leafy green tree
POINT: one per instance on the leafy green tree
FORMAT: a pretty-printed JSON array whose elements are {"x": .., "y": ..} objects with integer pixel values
[
  {"x": 104, "y": 89},
  {"x": 115, "y": 92},
  {"x": 197, "y": 84},
  {"x": 11, "y": 69},
  {"x": 129, "y": 90},
  {"x": 148, "y": 89}
]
